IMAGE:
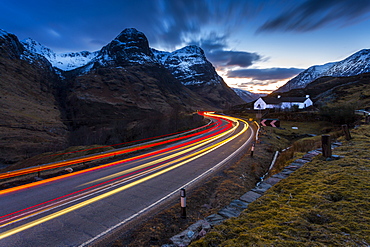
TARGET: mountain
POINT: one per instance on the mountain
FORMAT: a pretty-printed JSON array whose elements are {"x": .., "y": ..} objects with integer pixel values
[
  {"x": 190, "y": 66},
  {"x": 123, "y": 92},
  {"x": 355, "y": 64},
  {"x": 31, "y": 120},
  {"x": 352, "y": 90},
  {"x": 246, "y": 95}
]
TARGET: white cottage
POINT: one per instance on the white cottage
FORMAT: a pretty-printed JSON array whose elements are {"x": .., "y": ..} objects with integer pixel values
[{"x": 282, "y": 102}]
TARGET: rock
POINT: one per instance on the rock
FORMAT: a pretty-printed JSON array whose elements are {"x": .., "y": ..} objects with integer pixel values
[
  {"x": 272, "y": 180},
  {"x": 262, "y": 187},
  {"x": 239, "y": 204},
  {"x": 286, "y": 172},
  {"x": 191, "y": 233},
  {"x": 279, "y": 175},
  {"x": 250, "y": 196},
  {"x": 229, "y": 212},
  {"x": 309, "y": 156},
  {"x": 302, "y": 161},
  {"x": 215, "y": 219},
  {"x": 293, "y": 166}
]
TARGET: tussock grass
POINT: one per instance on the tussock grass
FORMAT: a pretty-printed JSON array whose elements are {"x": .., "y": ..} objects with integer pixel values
[{"x": 324, "y": 203}]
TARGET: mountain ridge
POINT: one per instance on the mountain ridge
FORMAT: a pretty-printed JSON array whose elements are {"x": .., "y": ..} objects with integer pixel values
[
  {"x": 121, "y": 93},
  {"x": 188, "y": 65},
  {"x": 355, "y": 64}
]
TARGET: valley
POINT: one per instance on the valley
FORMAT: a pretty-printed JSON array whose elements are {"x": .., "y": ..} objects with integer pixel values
[{"x": 58, "y": 104}]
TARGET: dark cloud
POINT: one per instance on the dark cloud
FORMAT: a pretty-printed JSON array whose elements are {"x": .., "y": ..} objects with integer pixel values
[
  {"x": 314, "y": 14},
  {"x": 223, "y": 58},
  {"x": 264, "y": 74},
  {"x": 211, "y": 42},
  {"x": 215, "y": 48},
  {"x": 168, "y": 24}
]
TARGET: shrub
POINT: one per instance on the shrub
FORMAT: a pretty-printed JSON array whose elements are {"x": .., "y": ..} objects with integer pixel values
[{"x": 339, "y": 114}]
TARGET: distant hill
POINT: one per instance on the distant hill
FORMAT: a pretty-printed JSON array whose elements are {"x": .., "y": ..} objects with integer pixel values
[
  {"x": 355, "y": 64},
  {"x": 246, "y": 95},
  {"x": 354, "y": 90}
]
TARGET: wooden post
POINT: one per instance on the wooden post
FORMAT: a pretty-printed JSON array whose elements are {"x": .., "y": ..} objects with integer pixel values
[
  {"x": 346, "y": 132},
  {"x": 326, "y": 146}
]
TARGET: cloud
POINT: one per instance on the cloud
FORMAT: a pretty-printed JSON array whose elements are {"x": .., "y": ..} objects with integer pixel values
[
  {"x": 215, "y": 48},
  {"x": 182, "y": 20},
  {"x": 224, "y": 58},
  {"x": 314, "y": 14},
  {"x": 264, "y": 74}
]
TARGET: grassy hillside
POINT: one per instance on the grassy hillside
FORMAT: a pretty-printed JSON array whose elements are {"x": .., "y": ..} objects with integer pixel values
[
  {"x": 324, "y": 203},
  {"x": 353, "y": 90}
]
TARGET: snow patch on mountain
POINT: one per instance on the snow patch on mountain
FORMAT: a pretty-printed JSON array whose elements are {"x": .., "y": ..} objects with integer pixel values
[
  {"x": 63, "y": 61},
  {"x": 355, "y": 64},
  {"x": 3, "y": 33},
  {"x": 189, "y": 65},
  {"x": 161, "y": 56},
  {"x": 246, "y": 95}
]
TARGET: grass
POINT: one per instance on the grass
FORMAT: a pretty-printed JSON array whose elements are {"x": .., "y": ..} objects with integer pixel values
[{"x": 324, "y": 203}]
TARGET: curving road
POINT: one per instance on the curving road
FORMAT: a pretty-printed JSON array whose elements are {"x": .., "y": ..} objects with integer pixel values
[{"x": 79, "y": 208}]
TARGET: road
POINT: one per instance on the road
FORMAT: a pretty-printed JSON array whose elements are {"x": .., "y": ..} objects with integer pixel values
[{"x": 79, "y": 208}]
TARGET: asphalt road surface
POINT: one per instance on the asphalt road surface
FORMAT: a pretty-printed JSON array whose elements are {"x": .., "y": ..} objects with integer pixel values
[{"x": 81, "y": 208}]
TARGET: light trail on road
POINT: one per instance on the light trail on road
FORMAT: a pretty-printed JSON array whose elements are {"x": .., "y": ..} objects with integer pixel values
[
  {"x": 142, "y": 168},
  {"x": 95, "y": 157}
]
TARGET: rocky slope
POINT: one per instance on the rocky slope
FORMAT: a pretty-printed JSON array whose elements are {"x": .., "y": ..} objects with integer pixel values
[
  {"x": 31, "y": 121},
  {"x": 355, "y": 64},
  {"x": 190, "y": 66}
]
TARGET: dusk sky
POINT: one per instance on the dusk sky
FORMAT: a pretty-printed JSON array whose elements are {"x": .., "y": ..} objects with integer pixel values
[{"x": 254, "y": 45}]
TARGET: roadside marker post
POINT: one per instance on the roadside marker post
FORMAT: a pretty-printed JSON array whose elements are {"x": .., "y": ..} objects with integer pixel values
[
  {"x": 183, "y": 203},
  {"x": 252, "y": 150}
]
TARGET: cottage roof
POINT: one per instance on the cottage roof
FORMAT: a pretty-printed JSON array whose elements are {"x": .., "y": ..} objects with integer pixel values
[{"x": 275, "y": 101}]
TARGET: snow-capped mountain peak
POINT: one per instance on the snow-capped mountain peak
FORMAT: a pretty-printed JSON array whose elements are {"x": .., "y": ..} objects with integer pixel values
[
  {"x": 63, "y": 61},
  {"x": 355, "y": 64},
  {"x": 189, "y": 65}
]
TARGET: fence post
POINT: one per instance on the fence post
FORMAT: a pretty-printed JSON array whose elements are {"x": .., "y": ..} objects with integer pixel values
[
  {"x": 346, "y": 132},
  {"x": 326, "y": 146},
  {"x": 183, "y": 203}
]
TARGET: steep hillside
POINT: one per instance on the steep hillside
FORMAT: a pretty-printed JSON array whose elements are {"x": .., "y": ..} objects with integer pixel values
[
  {"x": 125, "y": 94},
  {"x": 111, "y": 105},
  {"x": 354, "y": 90},
  {"x": 31, "y": 121},
  {"x": 190, "y": 66}
]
